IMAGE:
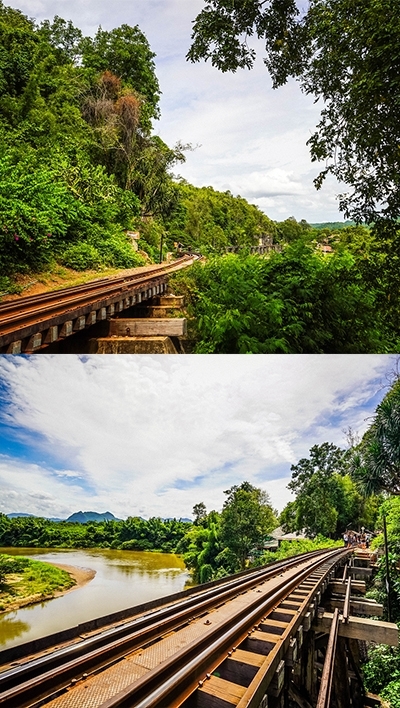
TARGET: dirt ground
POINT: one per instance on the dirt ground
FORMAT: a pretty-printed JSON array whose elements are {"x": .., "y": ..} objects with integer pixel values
[{"x": 82, "y": 576}]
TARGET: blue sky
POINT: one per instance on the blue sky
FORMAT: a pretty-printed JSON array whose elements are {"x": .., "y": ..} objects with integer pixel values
[
  {"x": 154, "y": 435},
  {"x": 251, "y": 139}
]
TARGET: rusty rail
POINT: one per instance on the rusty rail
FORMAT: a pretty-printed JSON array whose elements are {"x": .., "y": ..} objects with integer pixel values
[
  {"x": 324, "y": 696},
  {"x": 172, "y": 682},
  {"x": 22, "y": 318},
  {"x": 36, "y": 680},
  {"x": 346, "y": 605},
  {"x": 345, "y": 570}
]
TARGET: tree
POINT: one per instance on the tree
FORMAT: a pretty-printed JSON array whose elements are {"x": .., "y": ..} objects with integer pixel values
[
  {"x": 247, "y": 517},
  {"x": 345, "y": 53},
  {"x": 326, "y": 498},
  {"x": 375, "y": 463},
  {"x": 199, "y": 513},
  {"x": 125, "y": 52},
  {"x": 200, "y": 548}
]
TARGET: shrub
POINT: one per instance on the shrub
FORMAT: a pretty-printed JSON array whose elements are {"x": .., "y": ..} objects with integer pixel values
[
  {"x": 81, "y": 256},
  {"x": 391, "y": 693}
]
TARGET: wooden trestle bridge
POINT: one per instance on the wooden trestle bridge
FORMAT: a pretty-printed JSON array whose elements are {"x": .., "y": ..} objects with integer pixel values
[
  {"x": 288, "y": 635},
  {"x": 33, "y": 324}
]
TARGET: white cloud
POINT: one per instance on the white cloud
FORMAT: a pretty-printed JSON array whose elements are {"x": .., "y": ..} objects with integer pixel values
[
  {"x": 253, "y": 139},
  {"x": 154, "y": 435},
  {"x": 34, "y": 488}
]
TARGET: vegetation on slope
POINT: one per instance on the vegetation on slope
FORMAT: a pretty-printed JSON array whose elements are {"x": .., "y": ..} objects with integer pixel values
[{"x": 80, "y": 165}]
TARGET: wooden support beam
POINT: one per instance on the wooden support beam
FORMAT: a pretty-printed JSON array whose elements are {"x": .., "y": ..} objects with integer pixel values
[
  {"x": 155, "y": 311},
  {"x": 325, "y": 689},
  {"x": 346, "y": 604},
  {"x": 35, "y": 341},
  {"x": 221, "y": 690},
  {"x": 80, "y": 323},
  {"x": 291, "y": 654},
  {"x": 361, "y": 628},
  {"x": 140, "y": 327},
  {"x": 132, "y": 345},
  {"x": 308, "y": 670},
  {"x": 278, "y": 680},
  {"x": 51, "y": 335},
  {"x": 341, "y": 681},
  {"x": 360, "y": 570},
  {"x": 171, "y": 300},
  {"x": 357, "y": 607},
  {"x": 357, "y": 586},
  {"x": 371, "y": 700},
  {"x": 297, "y": 697},
  {"x": 15, "y": 347},
  {"x": 66, "y": 329}
]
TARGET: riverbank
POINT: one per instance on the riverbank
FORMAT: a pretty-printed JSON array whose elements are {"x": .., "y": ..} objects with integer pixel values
[{"x": 26, "y": 582}]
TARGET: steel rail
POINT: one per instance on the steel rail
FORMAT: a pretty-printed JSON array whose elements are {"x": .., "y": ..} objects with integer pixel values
[
  {"x": 37, "y": 676},
  {"x": 324, "y": 696},
  {"x": 15, "y": 305},
  {"x": 345, "y": 570},
  {"x": 170, "y": 683},
  {"x": 36, "y": 309},
  {"x": 346, "y": 605},
  {"x": 120, "y": 625}
]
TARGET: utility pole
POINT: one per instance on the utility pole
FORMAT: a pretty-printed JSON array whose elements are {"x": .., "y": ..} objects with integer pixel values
[{"x": 161, "y": 245}]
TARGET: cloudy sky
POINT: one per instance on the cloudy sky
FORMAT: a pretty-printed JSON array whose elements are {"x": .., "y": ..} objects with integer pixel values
[
  {"x": 252, "y": 140},
  {"x": 153, "y": 435}
]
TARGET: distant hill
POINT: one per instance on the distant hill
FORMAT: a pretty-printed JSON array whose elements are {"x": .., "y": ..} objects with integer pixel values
[
  {"x": 82, "y": 517},
  {"x": 333, "y": 224},
  {"x": 17, "y": 515}
]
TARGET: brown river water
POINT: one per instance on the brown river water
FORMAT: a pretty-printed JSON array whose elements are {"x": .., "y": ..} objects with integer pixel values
[{"x": 122, "y": 579}]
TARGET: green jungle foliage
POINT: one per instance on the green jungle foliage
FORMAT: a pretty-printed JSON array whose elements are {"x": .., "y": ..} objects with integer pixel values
[
  {"x": 327, "y": 499},
  {"x": 209, "y": 221},
  {"x": 376, "y": 461},
  {"x": 79, "y": 165},
  {"x": 382, "y": 673},
  {"x": 221, "y": 543},
  {"x": 391, "y": 509},
  {"x": 133, "y": 534},
  {"x": 294, "y": 301}
]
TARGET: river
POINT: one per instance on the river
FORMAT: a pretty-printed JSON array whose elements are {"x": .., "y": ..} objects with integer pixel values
[{"x": 123, "y": 579}]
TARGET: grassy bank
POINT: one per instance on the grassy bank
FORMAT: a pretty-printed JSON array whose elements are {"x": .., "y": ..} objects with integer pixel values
[
  {"x": 292, "y": 548},
  {"x": 24, "y": 582}
]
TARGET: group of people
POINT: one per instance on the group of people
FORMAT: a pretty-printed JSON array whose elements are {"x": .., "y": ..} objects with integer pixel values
[{"x": 357, "y": 538}]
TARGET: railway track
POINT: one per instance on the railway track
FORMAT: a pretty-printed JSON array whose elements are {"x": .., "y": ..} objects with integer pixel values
[
  {"x": 29, "y": 323},
  {"x": 227, "y": 641}
]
